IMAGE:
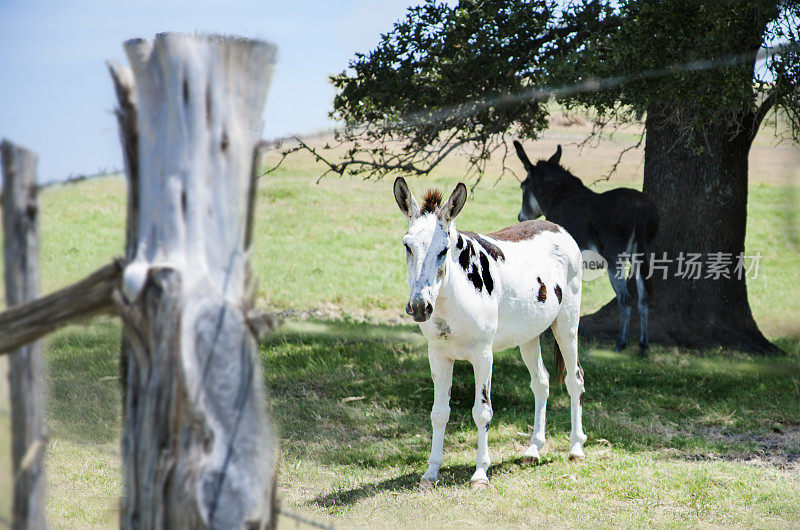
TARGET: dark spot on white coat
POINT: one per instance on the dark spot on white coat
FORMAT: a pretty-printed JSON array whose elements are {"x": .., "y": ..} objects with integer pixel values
[
  {"x": 542, "y": 290},
  {"x": 442, "y": 327},
  {"x": 474, "y": 276},
  {"x": 486, "y": 274}
]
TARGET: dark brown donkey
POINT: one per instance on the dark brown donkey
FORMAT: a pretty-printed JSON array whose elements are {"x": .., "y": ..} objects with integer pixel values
[{"x": 617, "y": 224}]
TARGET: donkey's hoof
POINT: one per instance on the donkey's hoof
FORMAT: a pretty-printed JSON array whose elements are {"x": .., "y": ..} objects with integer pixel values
[
  {"x": 576, "y": 454},
  {"x": 426, "y": 483},
  {"x": 479, "y": 484},
  {"x": 531, "y": 455},
  {"x": 620, "y": 346},
  {"x": 643, "y": 354}
]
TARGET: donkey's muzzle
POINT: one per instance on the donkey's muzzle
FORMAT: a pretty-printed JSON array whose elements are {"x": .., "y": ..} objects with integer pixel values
[
  {"x": 419, "y": 309},
  {"x": 521, "y": 217}
]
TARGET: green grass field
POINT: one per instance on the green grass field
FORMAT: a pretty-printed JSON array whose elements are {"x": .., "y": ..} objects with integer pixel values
[{"x": 686, "y": 438}]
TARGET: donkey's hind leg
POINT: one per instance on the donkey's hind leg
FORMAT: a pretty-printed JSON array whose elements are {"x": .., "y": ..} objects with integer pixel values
[
  {"x": 644, "y": 310},
  {"x": 540, "y": 385},
  {"x": 616, "y": 273},
  {"x": 565, "y": 329}
]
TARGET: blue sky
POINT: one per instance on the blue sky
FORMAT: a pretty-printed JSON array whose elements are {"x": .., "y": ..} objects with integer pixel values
[{"x": 56, "y": 96}]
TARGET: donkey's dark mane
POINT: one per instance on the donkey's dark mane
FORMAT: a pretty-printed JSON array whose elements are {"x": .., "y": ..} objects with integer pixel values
[
  {"x": 557, "y": 183},
  {"x": 431, "y": 201},
  {"x": 493, "y": 250},
  {"x": 565, "y": 176}
]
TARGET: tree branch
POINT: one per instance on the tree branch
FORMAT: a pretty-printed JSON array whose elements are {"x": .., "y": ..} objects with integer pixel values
[
  {"x": 614, "y": 167},
  {"x": 401, "y": 162},
  {"x": 763, "y": 109}
]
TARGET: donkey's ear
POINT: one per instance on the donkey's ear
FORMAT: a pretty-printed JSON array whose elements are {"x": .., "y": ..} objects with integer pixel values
[
  {"x": 556, "y": 158},
  {"x": 522, "y": 156},
  {"x": 405, "y": 199},
  {"x": 452, "y": 207}
]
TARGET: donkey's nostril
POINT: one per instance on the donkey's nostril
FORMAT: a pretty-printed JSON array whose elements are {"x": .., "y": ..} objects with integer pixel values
[{"x": 419, "y": 309}]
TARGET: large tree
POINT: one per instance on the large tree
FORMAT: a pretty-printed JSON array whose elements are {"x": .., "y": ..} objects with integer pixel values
[
  {"x": 700, "y": 123},
  {"x": 466, "y": 76}
]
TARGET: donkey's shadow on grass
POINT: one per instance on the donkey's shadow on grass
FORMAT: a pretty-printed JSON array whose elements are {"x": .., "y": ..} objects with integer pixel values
[
  {"x": 362, "y": 391},
  {"x": 449, "y": 476}
]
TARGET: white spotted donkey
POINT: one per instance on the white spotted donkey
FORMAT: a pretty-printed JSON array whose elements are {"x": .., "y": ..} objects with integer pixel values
[{"x": 474, "y": 294}]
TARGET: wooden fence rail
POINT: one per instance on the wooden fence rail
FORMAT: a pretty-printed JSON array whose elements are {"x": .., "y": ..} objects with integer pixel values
[{"x": 33, "y": 320}]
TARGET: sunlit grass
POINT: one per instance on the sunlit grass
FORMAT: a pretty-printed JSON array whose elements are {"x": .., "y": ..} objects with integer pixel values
[{"x": 669, "y": 438}]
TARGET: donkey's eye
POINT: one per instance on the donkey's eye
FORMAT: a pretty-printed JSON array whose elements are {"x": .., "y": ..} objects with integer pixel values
[
  {"x": 408, "y": 249},
  {"x": 441, "y": 254}
]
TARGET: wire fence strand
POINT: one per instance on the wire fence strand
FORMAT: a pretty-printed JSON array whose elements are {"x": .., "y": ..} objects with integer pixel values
[{"x": 545, "y": 93}]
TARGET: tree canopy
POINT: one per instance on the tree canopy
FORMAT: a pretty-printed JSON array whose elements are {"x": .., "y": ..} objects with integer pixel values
[
  {"x": 697, "y": 63},
  {"x": 450, "y": 77}
]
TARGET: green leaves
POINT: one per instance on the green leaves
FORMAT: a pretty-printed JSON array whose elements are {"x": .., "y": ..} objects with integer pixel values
[
  {"x": 693, "y": 62},
  {"x": 434, "y": 82},
  {"x": 449, "y": 76}
]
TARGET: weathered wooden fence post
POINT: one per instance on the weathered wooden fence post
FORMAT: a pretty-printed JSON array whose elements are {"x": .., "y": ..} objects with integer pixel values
[
  {"x": 127, "y": 118},
  {"x": 197, "y": 447},
  {"x": 26, "y": 365}
]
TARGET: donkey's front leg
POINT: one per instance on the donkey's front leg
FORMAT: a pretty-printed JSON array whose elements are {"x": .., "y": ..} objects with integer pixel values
[
  {"x": 482, "y": 414},
  {"x": 442, "y": 375}
]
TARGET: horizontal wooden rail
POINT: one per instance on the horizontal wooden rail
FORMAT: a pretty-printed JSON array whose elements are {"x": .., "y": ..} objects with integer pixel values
[{"x": 27, "y": 322}]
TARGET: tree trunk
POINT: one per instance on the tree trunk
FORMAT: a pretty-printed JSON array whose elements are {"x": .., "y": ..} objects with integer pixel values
[
  {"x": 702, "y": 205},
  {"x": 197, "y": 447},
  {"x": 26, "y": 368}
]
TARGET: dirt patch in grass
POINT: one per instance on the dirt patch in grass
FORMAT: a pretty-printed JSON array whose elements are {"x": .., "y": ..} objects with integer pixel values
[
  {"x": 337, "y": 313},
  {"x": 778, "y": 448}
]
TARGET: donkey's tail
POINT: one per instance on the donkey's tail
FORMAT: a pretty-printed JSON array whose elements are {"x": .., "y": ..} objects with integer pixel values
[
  {"x": 640, "y": 233},
  {"x": 558, "y": 363}
]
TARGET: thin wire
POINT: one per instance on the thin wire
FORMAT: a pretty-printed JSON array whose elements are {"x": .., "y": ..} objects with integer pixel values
[
  {"x": 473, "y": 107},
  {"x": 73, "y": 178},
  {"x": 245, "y": 384},
  {"x": 544, "y": 93}
]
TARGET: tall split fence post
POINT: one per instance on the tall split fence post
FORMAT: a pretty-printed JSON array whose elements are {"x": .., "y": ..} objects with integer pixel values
[
  {"x": 197, "y": 447},
  {"x": 26, "y": 364},
  {"x": 127, "y": 118}
]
